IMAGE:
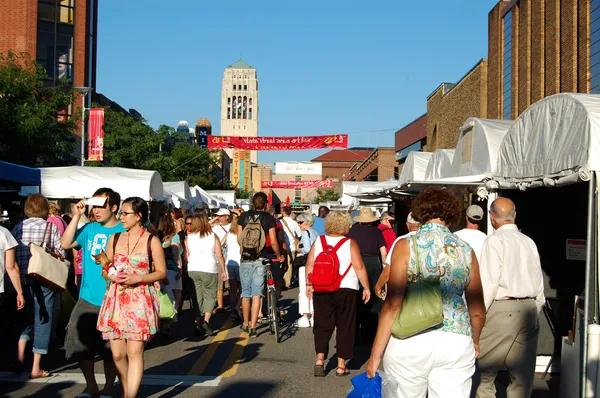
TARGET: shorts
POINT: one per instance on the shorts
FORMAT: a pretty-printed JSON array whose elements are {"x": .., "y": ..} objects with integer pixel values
[
  {"x": 233, "y": 270},
  {"x": 174, "y": 283},
  {"x": 252, "y": 278},
  {"x": 83, "y": 340}
]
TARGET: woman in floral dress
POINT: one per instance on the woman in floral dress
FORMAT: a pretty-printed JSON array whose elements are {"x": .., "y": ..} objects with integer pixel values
[{"x": 129, "y": 315}]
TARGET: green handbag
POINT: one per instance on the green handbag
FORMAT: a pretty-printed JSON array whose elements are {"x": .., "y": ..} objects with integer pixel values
[
  {"x": 422, "y": 305},
  {"x": 167, "y": 310}
]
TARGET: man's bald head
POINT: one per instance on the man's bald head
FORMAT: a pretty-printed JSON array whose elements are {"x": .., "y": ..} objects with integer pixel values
[{"x": 503, "y": 211}]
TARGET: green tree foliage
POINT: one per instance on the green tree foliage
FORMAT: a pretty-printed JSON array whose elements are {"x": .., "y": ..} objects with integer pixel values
[
  {"x": 241, "y": 194},
  {"x": 328, "y": 194},
  {"x": 31, "y": 133}
]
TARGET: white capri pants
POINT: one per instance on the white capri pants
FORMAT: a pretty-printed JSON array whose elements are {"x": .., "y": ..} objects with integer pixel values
[
  {"x": 432, "y": 364},
  {"x": 305, "y": 305}
]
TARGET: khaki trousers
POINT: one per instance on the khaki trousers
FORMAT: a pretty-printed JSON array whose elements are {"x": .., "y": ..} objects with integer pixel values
[
  {"x": 287, "y": 277},
  {"x": 508, "y": 343}
]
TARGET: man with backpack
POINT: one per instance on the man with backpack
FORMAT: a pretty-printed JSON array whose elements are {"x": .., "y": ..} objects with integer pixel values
[{"x": 254, "y": 227}]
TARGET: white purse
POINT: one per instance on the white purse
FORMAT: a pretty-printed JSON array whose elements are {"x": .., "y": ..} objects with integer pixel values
[{"x": 46, "y": 265}]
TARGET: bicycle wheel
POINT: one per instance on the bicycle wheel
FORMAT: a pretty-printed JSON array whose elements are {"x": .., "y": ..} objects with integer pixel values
[{"x": 274, "y": 315}]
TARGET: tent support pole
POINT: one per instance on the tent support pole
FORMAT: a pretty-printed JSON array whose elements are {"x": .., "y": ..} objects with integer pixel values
[{"x": 589, "y": 300}]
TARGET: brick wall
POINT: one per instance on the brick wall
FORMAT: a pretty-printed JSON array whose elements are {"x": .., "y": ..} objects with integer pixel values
[
  {"x": 494, "y": 69},
  {"x": 382, "y": 159},
  {"x": 583, "y": 42},
  {"x": 537, "y": 51},
  {"x": 447, "y": 112},
  {"x": 568, "y": 45},
  {"x": 18, "y": 26}
]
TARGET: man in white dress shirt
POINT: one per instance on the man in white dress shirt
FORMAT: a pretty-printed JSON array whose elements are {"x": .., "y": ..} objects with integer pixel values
[
  {"x": 471, "y": 234},
  {"x": 513, "y": 290}
]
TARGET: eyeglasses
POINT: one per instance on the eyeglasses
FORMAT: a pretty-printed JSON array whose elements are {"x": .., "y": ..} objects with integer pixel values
[{"x": 124, "y": 213}]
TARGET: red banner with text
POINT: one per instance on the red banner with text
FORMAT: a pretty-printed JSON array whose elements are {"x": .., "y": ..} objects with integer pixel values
[
  {"x": 338, "y": 141},
  {"x": 96, "y": 135},
  {"x": 297, "y": 184}
]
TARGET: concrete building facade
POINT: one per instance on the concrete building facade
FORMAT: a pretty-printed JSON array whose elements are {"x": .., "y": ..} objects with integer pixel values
[
  {"x": 239, "y": 103},
  {"x": 296, "y": 171},
  {"x": 261, "y": 172}
]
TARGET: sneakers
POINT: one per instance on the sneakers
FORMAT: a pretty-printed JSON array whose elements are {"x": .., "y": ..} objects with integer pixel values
[
  {"x": 207, "y": 329},
  {"x": 304, "y": 322},
  {"x": 244, "y": 328},
  {"x": 253, "y": 333}
]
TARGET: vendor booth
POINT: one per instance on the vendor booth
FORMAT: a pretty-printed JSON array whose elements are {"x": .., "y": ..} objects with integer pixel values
[
  {"x": 440, "y": 164},
  {"x": 181, "y": 195},
  {"x": 226, "y": 198},
  {"x": 554, "y": 146},
  {"x": 204, "y": 199},
  {"x": 414, "y": 167},
  {"x": 13, "y": 178}
]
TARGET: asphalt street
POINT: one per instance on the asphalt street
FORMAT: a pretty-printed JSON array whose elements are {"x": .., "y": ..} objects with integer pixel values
[{"x": 226, "y": 365}]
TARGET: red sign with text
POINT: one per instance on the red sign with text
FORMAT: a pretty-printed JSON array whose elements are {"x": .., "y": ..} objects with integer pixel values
[
  {"x": 338, "y": 141},
  {"x": 297, "y": 184},
  {"x": 96, "y": 135}
]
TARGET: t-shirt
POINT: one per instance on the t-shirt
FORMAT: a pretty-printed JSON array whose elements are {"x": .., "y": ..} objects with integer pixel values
[
  {"x": 172, "y": 262},
  {"x": 93, "y": 238},
  {"x": 474, "y": 238},
  {"x": 59, "y": 222},
  {"x": 388, "y": 234},
  {"x": 369, "y": 239},
  {"x": 319, "y": 225},
  {"x": 267, "y": 221},
  {"x": 7, "y": 241},
  {"x": 221, "y": 231},
  {"x": 233, "y": 250}
]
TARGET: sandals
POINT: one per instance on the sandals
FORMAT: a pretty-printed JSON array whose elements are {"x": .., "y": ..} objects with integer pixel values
[
  {"x": 319, "y": 370},
  {"x": 42, "y": 375},
  {"x": 345, "y": 372}
]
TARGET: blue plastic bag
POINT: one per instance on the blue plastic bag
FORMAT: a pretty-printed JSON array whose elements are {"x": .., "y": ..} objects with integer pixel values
[{"x": 365, "y": 387}]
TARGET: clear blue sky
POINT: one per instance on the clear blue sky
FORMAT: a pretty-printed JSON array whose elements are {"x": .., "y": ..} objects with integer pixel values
[{"x": 324, "y": 66}]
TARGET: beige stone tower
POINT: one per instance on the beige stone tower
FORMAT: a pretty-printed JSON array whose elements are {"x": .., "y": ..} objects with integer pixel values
[{"x": 239, "y": 104}]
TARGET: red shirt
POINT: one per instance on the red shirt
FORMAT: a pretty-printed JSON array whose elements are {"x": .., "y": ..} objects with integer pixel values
[{"x": 388, "y": 234}]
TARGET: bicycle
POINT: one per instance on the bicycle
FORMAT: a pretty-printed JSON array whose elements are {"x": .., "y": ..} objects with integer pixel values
[{"x": 272, "y": 311}]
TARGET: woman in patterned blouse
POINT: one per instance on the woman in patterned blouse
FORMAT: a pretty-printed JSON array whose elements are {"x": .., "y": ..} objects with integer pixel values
[{"x": 441, "y": 360}]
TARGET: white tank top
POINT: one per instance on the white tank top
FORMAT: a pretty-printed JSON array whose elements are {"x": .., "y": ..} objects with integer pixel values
[
  {"x": 202, "y": 253},
  {"x": 350, "y": 281}
]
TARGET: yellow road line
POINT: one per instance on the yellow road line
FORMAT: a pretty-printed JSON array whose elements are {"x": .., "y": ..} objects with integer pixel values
[
  {"x": 233, "y": 361},
  {"x": 201, "y": 364}
]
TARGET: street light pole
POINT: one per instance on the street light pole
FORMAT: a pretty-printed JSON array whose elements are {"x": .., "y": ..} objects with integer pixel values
[{"x": 83, "y": 91}]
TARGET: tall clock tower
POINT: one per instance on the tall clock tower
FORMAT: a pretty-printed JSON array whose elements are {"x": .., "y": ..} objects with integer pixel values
[{"x": 239, "y": 104}]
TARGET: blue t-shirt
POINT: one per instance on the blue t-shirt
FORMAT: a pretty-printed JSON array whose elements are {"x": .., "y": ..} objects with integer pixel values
[
  {"x": 319, "y": 225},
  {"x": 92, "y": 238}
]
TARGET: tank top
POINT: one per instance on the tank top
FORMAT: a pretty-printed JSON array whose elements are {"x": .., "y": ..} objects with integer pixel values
[
  {"x": 350, "y": 281},
  {"x": 201, "y": 250}
]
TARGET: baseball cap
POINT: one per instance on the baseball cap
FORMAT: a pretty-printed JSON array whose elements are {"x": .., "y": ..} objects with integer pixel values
[
  {"x": 475, "y": 212},
  {"x": 223, "y": 212}
]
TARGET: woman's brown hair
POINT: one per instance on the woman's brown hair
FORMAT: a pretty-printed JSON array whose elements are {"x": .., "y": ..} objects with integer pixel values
[
  {"x": 436, "y": 203},
  {"x": 200, "y": 225},
  {"x": 233, "y": 228},
  {"x": 37, "y": 206},
  {"x": 166, "y": 228}
]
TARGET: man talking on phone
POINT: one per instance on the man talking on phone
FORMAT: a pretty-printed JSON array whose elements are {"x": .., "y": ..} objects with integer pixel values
[{"x": 83, "y": 341}]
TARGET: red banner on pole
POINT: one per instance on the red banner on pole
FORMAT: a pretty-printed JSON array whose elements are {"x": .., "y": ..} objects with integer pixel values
[
  {"x": 96, "y": 135},
  {"x": 297, "y": 184},
  {"x": 338, "y": 141}
]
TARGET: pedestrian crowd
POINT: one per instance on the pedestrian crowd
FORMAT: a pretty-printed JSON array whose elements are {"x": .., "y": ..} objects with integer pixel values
[{"x": 357, "y": 281}]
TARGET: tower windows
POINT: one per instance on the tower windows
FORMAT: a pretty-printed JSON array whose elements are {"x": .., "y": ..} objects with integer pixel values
[
  {"x": 249, "y": 101},
  {"x": 245, "y": 87},
  {"x": 249, "y": 113},
  {"x": 228, "y": 113},
  {"x": 245, "y": 108},
  {"x": 234, "y": 87},
  {"x": 228, "y": 100},
  {"x": 239, "y": 106}
]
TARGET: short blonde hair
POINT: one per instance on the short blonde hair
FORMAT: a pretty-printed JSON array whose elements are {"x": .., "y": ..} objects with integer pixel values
[
  {"x": 54, "y": 209},
  {"x": 306, "y": 218},
  {"x": 337, "y": 222}
]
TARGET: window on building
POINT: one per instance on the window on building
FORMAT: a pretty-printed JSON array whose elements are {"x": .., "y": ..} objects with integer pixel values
[
  {"x": 228, "y": 100},
  {"x": 297, "y": 178},
  {"x": 507, "y": 64},
  {"x": 67, "y": 11},
  {"x": 234, "y": 86},
  {"x": 298, "y": 195},
  {"x": 245, "y": 108},
  {"x": 228, "y": 113},
  {"x": 249, "y": 101},
  {"x": 55, "y": 38},
  {"x": 250, "y": 114},
  {"x": 595, "y": 46},
  {"x": 245, "y": 87}
]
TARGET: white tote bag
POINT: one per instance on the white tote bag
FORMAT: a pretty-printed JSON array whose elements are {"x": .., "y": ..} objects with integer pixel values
[{"x": 47, "y": 266}]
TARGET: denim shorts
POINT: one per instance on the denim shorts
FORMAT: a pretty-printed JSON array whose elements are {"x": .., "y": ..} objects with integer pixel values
[
  {"x": 252, "y": 278},
  {"x": 233, "y": 270}
]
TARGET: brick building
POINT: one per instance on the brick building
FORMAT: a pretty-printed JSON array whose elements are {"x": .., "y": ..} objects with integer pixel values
[
  {"x": 61, "y": 35},
  {"x": 380, "y": 165},
  {"x": 452, "y": 103},
  {"x": 337, "y": 163},
  {"x": 410, "y": 138},
  {"x": 538, "y": 48}
]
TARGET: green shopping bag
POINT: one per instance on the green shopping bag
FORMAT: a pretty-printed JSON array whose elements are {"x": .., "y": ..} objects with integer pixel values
[{"x": 167, "y": 310}]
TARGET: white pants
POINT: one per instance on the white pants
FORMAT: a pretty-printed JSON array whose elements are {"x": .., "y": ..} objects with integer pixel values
[
  {"x": 305, "y": 305},
  {"x": 433, "y": 364}
]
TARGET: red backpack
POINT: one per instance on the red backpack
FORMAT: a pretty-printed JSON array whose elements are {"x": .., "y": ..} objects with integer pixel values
[{"x": 326, "y": 277}]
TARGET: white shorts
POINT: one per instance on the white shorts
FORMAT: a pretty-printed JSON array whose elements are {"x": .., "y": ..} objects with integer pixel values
[
  {"x": 174, "y": 284},
  {"x": 432, "y": 364}
]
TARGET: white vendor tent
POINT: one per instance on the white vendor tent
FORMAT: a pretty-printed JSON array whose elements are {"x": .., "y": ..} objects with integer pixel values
[
  {"x": 556, "y": 138},
  {"x": 181, "y": 195},
  {"x": 203, "y": 197},
  {"x": 76, "y": 182},
  {"x": 478, "y": 146},
  {"x": 415, "y": 167},
  {"x": 226, "y": 197},
  {"x": 439, "y": 164}
]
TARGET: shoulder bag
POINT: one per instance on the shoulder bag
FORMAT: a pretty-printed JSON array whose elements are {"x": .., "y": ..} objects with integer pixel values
[
  {"x": 167, "y": 309},
  {"x": 47, "y": 265},
  {"x": 422, "y": 305}
]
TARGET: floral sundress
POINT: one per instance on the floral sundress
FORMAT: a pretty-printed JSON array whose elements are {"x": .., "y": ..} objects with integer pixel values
[{"x": 130, "y": 313}]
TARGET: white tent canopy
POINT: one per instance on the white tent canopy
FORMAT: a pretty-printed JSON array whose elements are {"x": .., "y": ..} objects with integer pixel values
[
  {"x": 557, "y": 137},
  {"x": 478, "y": 145},
  {"x": 203, "y": 197},
  {"x": 226, "y": 198},
  {"x": 181, "y": 196},
  {"x": 355, "y": 192},
  {"x": 76, "y": 182},
  {"x": 415, "y": 167},
  {"x": 440, "y": 164}
]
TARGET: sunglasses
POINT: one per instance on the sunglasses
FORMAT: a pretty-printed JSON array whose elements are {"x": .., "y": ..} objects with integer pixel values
[
  {"x": 300, "y": 222},
  {"x": 188, "y": 223}
]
